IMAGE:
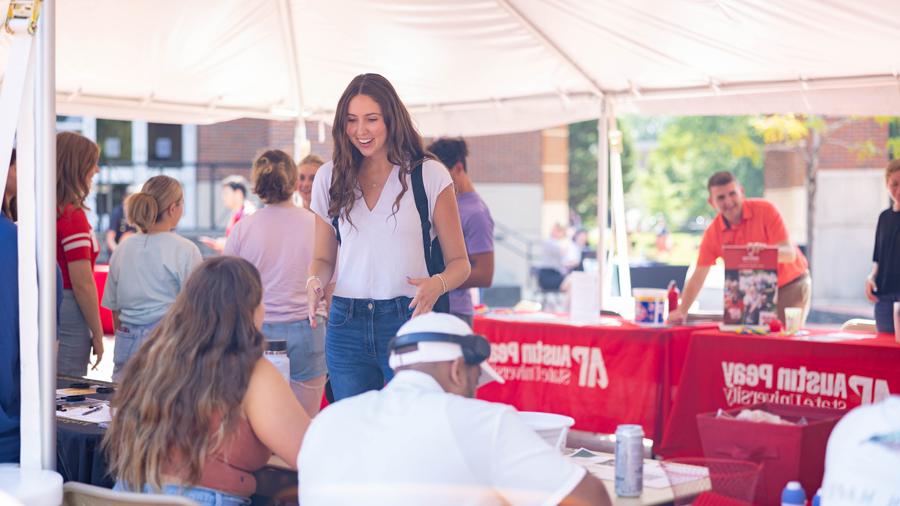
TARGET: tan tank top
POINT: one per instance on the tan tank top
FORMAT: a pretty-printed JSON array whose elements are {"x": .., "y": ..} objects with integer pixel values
[{"x": 230, "y": 469}]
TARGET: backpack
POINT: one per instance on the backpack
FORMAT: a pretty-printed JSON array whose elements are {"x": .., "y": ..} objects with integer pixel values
[{"x": 434, "y": 257}]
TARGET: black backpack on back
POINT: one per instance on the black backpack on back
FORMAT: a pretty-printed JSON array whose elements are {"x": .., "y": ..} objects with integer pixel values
[{"x": 434, "y": 257}]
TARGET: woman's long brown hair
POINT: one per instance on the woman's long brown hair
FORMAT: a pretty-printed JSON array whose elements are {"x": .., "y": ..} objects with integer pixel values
[
  {"x": 405, "y": 146},
  {"x": 76, "y": 156},
  {"x": 180, "y": 395}
]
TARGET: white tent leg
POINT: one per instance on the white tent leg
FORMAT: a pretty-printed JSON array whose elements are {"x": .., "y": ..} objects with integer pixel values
[
  {"x": 602, "y": 201},
  {"x": 45, "y": 173},
  {"x": 618, "y": 206}
]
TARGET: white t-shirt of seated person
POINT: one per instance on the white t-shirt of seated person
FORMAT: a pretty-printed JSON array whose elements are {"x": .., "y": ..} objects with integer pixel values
[
  {"x": 862, "y": 462},
  {"x": 381, "y": 249},
  {"x": 413, "y": 443}
]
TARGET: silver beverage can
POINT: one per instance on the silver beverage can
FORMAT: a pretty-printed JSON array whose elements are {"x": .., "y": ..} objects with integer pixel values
[{"x": 629, "y": 460}]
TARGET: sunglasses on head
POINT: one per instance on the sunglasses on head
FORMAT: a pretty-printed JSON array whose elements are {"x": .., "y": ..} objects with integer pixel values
[{"x": 476, "y": 349}]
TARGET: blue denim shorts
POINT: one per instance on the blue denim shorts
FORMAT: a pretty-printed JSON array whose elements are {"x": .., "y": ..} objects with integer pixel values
[
  {"x": 129, "y": 339},
  {"x": 201, "y": 495},
  {"x": 356, "y": 342},
  {"x": 306, "y": 346}
]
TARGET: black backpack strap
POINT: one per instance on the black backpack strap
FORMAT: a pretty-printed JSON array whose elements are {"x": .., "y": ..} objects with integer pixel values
[
  {"x": 418, "y": 187},
  {"x": 434, "y": 257},
  {"x": 337, "y": 229}
]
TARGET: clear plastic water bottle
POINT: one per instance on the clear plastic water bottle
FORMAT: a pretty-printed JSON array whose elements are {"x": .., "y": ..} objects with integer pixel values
[
  {"x": 276, "y": 352},
  {"x": 793, "y": 494}
]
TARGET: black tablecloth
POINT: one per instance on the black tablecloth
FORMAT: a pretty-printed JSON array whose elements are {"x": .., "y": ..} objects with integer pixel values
[{"x": 79, "y": 457}]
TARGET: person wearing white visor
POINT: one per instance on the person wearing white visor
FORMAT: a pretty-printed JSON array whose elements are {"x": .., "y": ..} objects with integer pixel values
[{"x": 424, "y": 439}]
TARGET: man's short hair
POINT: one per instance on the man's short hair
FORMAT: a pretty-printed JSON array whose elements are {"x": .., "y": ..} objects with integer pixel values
[
  {"x": 236, "y": 183},
  {"x": 720, "y": 178},
  {"x": 892, "y": 167},
  {"x": 450, "y": 151}
]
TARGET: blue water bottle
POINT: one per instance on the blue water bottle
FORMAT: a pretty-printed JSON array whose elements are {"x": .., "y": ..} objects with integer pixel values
[
  {"x": 793, "y": 494},
  {"x": 817, "y": 499}
]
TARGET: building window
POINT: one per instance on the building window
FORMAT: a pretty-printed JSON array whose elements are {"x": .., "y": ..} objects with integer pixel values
[
  {"x": 114, "y": 138},
  {"x": 164, "y": 144}
]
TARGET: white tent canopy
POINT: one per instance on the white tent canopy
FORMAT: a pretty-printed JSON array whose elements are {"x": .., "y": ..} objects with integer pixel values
[{"x": 476, "y": 66}]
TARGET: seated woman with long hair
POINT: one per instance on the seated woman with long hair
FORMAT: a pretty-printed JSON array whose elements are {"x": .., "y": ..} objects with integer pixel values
[{"x": 199, "y": 409}]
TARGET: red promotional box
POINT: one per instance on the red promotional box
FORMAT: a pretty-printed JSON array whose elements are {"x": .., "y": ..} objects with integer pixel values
[{"x": 788, "y": 452}]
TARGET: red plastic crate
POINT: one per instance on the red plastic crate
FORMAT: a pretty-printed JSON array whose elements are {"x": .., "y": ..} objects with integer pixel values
[{"x": 787, "y": 452}]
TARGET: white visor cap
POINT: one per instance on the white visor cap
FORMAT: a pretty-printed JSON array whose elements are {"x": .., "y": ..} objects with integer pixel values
[{"x": 435, "y": 351}]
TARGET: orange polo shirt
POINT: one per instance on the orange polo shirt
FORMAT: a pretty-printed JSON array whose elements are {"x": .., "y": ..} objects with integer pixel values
[{"x": 760, "y": 222}]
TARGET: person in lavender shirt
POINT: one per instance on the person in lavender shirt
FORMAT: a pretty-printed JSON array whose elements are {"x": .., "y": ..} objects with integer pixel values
[
  {"x": 477, "y": 225},
  {"x": 278, "y": 241}
]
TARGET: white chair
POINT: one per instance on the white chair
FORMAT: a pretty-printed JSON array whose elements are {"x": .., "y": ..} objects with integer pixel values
[
  {"x": 860, "y": 324},
  {"x": 82, "y": 494}
]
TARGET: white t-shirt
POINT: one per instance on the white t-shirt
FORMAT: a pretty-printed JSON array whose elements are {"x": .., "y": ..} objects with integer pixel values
[
  {"x": 413, "y": 443},
  {"x": 381, "y": 249},
  {"x": 862, "y": 462}
]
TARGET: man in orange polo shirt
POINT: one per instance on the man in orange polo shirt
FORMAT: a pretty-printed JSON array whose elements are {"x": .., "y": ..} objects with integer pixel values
[{"x": 754, "y": 223}]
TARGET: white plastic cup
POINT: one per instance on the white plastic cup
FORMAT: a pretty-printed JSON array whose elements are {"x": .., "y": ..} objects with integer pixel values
[
  {"x": 551, "y": 427},
  {"x": 793, "y": 316}
]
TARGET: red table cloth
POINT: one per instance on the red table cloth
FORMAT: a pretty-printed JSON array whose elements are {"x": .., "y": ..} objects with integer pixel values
[
  {"x": 601, "y": 376},
  {"x": 726, "y": 370}
]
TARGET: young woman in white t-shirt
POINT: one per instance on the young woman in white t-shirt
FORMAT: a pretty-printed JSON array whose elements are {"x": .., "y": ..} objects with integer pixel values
[{"x": 382, "y": 275}]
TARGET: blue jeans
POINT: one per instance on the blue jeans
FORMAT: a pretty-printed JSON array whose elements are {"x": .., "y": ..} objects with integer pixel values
[
  {"x": 356, "y": 342},
  {"x": 884, "y": 312},
  {"x": 129, "y": 339},
  {"x": 202, "y": 495},
  {"x": 305, "y": 346}
]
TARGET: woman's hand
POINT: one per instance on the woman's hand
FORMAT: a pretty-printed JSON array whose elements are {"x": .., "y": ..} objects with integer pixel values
[
  {"x": 427, "y": 293},
  {"x": 97, "y": 346},
  {"x": 871, "y": 288},
  {"x": 314, "y": 296}
]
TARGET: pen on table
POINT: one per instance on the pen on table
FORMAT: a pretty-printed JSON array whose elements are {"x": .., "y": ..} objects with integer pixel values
[{"x": 93, "y": 410}]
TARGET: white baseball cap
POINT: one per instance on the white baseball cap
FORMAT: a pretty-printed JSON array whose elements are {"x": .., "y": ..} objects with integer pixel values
[{"x": 433, "y": 328}]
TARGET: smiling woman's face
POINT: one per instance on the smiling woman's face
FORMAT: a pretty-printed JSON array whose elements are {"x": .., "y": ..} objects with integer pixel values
[{"x": 366, "y": 127}]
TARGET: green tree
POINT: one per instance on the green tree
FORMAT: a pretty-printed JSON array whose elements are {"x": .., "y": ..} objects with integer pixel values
[
  {"x": 583, "y": 168},
  {"x": 689, "y": 150}
]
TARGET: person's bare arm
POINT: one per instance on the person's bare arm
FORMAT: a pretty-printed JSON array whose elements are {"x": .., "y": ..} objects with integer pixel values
[
  {"x": 871, "y": 287},
  {"x": 269, "y": 393},
  {"x": 111, "y": 240},
  {"x": 482, "y": 273},
  {"x": 590, "y": 491},
  {"x": 322, "y": 266},
  {"x": 85, "y": 290},
  {"x": 691, "y": 290},
  {"x": 453, "y": 246},
  {"x": 787, "y": 253},
  {"x": 115, "y": 315}
]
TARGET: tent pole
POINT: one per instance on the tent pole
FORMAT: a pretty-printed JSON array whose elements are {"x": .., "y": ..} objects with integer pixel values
[
  {"x": 602, "y": 199},
  {"x": 45, "y": 173},
  {"x": 618, "y": 205}
]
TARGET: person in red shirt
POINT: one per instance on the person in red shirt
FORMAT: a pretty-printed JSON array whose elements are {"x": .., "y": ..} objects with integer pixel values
[
  {"x": 234, "y": 196},
  {"x": 79, "y": 329},
  {"x": 754, "y": 223}
]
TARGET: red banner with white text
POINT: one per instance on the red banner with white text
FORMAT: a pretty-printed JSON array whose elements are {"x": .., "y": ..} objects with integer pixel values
[
  {"x": 601, "y": 376},
  {"x": 827, "y": 369}
]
